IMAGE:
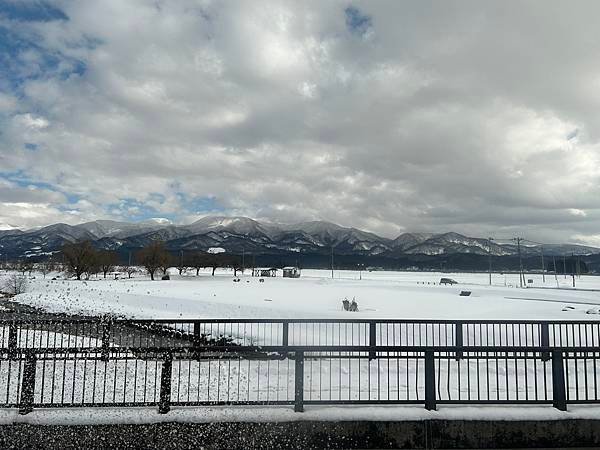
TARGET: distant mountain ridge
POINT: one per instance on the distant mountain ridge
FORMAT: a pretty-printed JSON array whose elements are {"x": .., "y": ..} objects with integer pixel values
[{"x": 243, "y": 234}]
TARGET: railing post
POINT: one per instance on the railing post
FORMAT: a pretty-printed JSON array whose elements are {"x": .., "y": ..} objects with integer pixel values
[
  {"x": 458, "y": 339},
  {"x": 197, "y": 332},
  {"x": 372, "y": 340},
  {"x": 299, "y": 384},
  {"x": 164, "y": 405},
  {"x": 105, "y": 350},
  {"x": 559, "y": 397},
  {"x": 285, "y": 339},
  {"x": 430, "y": 403},
  {"x": 545, "y": 340},
  {"x": 12, "y": 339},
  {"x": 28, "y": 383}
]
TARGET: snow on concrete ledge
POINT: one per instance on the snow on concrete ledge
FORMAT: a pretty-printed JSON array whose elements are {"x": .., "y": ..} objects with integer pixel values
[{"x": 147, "y": 415}]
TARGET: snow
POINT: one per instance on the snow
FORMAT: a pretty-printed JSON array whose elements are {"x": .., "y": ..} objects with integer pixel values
[
  {"x": 400, "y": 295},
  {"x": 149, "y": 415},
  {"x": 215, "y": 250}
]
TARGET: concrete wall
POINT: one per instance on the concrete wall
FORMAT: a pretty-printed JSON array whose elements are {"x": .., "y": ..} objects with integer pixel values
[{"x": 362, "y": 434}]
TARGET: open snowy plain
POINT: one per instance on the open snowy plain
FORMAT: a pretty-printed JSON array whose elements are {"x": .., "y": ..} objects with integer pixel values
[
  {"x": 395, "y": 295},
  {"x": 380, "y": 294}
]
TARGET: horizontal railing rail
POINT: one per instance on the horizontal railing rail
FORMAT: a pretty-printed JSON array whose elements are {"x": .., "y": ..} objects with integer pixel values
[{"x": 182, "y": 333}]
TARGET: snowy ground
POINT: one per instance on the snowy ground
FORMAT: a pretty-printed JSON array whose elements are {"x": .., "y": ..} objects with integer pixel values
[
  {"x": 399, "y": 295},
  {"x": 100, "y": 416},
  {"x": 316, "y": 295}
]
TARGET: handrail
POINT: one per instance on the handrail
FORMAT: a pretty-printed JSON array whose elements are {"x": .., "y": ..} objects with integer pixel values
[{"x": 293, "y": 320}]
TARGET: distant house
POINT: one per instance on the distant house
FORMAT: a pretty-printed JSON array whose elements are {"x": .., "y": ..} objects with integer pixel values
[
  {"x": 271, "y": 272},
  {"x": 291, "y": 272}
]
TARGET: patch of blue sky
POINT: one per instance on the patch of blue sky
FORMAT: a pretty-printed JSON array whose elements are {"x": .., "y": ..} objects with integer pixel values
[
  {"x": 22, "y": 180},
  {"x": 157, "y": 197},
  {"x": 18, "y": 48},
  {"x": 357, "y": 22},
  {"x": 198, "y": 205},
  {"x": 38, "y": 11},
  {"x": 135, "y": 210}
]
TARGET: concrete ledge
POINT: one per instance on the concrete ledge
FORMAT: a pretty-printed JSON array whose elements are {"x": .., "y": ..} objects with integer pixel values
[{"x": 309, "y": 434}]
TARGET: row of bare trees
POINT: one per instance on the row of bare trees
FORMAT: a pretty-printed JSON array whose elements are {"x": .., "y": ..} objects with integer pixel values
[
  {"x": 82, "y": 258},
  {"x": 155, "y": 257}
]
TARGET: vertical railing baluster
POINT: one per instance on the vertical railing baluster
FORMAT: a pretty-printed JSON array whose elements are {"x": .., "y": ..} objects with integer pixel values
[
  {"x": 545, "y": 340},
  {"x": 285, "y": 334},
  {"x": 164, "y": 405},
  {"x": 197, "y": 332},
  {"x": 430, "y": 402},
  {"x": 559, "y": 397},
  {"x": 28, "y": 383},
  {"x": 299, "y": 383},
  {"x": 458, "y": 339},
  {"x": 12, "y": 339},
  {"x": 372, "y": 340},
  {"x": 105, "y": 350}
]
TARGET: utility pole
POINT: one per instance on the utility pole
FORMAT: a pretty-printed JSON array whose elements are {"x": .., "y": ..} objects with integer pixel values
[
  {"x": 332, "y": 261},
  {"x": 573, "y": 267},
  {"x": 565, "y": 266},
  {"x": 243, "y": 257},
  {"x": 521, "y": 275},
  {"x": 490, "y": 239},
  {"x": 555, "y": 274},
  {"x": 129, "y": 264},
  {"x": 543, "y": 266}
]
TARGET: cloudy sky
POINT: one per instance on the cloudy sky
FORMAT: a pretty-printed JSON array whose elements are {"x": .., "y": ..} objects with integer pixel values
[{"x": 476, "y": 117}]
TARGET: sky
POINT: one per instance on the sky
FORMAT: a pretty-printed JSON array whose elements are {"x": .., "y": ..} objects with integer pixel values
[{"x": 476, "y": 117}]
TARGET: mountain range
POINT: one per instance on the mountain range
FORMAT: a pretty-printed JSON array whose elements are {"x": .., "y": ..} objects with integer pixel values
[{"x": 242, "y": 234}]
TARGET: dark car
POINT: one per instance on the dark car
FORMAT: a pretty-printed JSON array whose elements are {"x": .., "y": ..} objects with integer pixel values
[{"x": 449, "y": 281}]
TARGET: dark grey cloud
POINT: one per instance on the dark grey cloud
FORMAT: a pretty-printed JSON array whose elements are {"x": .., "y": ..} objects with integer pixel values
[{"x": 391, "y": 116}]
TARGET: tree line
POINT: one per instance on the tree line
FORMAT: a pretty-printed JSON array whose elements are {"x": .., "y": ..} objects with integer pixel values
[{"x": 82, "y": 259}]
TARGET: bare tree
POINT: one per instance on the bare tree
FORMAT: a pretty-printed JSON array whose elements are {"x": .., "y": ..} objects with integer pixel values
[
  {"x": 107, "y": 261},
  {"x": 153, "y": 257},
  {"x": 214, "y": 261},
  {"x": 80, "y": 258},
  {"x": 45, "y": 267},
  {"x": 183, "y": 262},
  {"x": 232, "y": 261},
  {"x": 129, "y": 270},
  {"x": 198, "y": 260},
  {"x": 25, "y": 265},
  {"x": 15, "y": 285},
  {"x": 168, "y": 262}
]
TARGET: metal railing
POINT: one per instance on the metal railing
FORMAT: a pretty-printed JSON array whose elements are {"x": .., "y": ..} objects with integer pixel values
[
  {"x": 106, "y": 332},
  {"x": 297, "y": 362}
]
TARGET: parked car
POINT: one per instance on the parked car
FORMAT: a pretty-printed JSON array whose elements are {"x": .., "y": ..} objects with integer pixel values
[{"x": 449, "y": 281}]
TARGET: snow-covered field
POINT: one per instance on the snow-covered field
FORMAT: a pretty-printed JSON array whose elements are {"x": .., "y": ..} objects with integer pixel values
[
  {"x": 397, "y": 295},
  {"x": 401, "y": 295}
]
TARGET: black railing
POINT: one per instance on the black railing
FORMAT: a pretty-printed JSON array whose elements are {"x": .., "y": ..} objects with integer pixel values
[
  {"x": 297, "y": 362},
  {"x": 41, "y": 334}
]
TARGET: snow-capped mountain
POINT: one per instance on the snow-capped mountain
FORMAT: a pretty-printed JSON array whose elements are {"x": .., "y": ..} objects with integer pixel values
[
  {"x": 456, "y": 243},
  {"x": 238, "y": 234}
]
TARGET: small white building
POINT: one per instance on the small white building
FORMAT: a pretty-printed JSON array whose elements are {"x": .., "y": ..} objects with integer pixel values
[
  {"x": 262, "y": 272},
  {"x": 291, "y": 272}
]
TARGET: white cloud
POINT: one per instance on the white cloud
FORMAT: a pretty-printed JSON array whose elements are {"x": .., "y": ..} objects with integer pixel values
[{"x": 441, "y": 117}]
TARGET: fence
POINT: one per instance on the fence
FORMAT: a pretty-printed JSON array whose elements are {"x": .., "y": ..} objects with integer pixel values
[{"x": 296, "y": 362}]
